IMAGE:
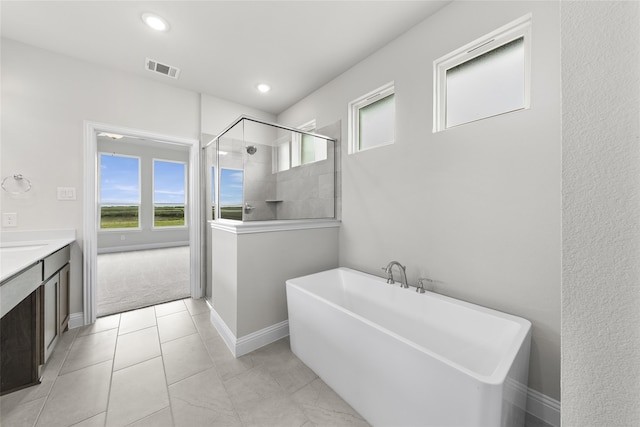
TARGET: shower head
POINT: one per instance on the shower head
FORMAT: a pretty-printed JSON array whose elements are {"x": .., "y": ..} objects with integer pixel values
[{"x": 251, "y": 150}]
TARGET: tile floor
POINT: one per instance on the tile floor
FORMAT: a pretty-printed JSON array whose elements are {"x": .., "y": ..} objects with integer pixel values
[{"x": 167, "y": 366}]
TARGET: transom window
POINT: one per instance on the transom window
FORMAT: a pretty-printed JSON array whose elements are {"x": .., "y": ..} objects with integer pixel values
[
  {"x": 372, "y": 119},
  {"x": 485, "y": 78},
  {"x": 297, "y": 149}
]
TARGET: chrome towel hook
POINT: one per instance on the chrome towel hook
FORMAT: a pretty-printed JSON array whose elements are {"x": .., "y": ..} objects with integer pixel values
[{"x": 16, "y": 184}]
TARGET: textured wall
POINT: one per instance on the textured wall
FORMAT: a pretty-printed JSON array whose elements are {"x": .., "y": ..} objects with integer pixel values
[{"x": 601, "y": 214}]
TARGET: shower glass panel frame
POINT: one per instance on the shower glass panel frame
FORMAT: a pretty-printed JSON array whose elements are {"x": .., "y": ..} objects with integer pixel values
[{"x": 303, "y": 189}]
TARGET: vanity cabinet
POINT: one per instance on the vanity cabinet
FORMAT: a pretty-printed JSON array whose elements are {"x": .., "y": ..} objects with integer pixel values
[{"x": 29, "y": 329}]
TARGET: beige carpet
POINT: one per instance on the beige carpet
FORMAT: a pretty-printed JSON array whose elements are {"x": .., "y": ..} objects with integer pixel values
[{"x": 130, "y": 280}]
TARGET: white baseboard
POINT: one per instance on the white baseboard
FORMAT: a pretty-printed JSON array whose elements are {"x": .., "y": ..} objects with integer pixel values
[
  {"x": 543, "y": 407},
  {"x": 227, "y": 336},
  {"x": 248, "y": 343},
  {"x": 255, "y": 340},
  {"x": 76, "y": 320}
]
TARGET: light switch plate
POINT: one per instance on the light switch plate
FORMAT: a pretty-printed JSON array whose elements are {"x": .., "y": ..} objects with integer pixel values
[{"x": 66, "y": 193}]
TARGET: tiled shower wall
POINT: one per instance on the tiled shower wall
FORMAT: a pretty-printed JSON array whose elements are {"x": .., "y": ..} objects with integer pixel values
[
  {"x": 259, "y": 184},
  {"x": 303, "y": 192}
]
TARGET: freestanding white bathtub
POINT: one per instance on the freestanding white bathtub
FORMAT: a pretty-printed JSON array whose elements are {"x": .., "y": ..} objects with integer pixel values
[{"x": 406, "y": 359}]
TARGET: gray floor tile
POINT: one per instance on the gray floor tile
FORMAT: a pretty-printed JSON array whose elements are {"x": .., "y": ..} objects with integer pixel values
[
  {"x": 136, "y": 347},
  {"x": 176, "y": 325},
  {"x": 196, "y": 306},
  {"x": 137, "y": 392},
  {"x": 252, "y": 387},
  {"x": 227, "y": 365},
  {"x": 77, "y": 396},
  {"x": 90, "y": 349},
  {"x": 202, "y": 321},
  {"x": 276, "y": 410},
  {"x": 290, "y": 373},
  {"x": 324, "y": 407},
  {"x": 162, "y": 418},
  {"x": 202, "y": 400},
  {"x": 24, "y": 414},
  {"x": 184, "y": 357},
  {"x": 170, "y": 308},
  {"x": 135, "y": 320},
  {"x": 95, "y": 421},
  {"x": 101, "y": 324}
]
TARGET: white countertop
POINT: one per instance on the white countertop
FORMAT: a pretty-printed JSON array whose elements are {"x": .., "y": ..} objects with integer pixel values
[{"x": 20, "y": 249}]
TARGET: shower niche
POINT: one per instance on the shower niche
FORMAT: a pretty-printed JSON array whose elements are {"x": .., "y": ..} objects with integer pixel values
[{"x": 259, "y": 171}]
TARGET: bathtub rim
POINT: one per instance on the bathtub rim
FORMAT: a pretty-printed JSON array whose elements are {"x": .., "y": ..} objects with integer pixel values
[{"x": 499, "y": 375}]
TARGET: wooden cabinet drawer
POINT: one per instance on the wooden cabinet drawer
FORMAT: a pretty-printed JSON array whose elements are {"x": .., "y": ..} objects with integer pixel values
[{"x": 56, "y": 261}]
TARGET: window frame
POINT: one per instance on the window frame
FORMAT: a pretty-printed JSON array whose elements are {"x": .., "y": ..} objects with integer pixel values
[
  {"x": 293, "y": 148},
  {"x": 519, "y": 28},
  {"x": 354, "y": 116},
  {"x": 298, "y": 139},
  {"x": 100, "y": 203},
  {"x": 153, "y": 195}
]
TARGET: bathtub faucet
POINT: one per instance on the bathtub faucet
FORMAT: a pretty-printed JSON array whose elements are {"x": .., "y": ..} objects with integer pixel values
[{"x": 403, "y": 274}]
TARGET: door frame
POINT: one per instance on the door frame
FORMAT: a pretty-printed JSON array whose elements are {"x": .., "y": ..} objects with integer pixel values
[{"x": 91, "y": 214}]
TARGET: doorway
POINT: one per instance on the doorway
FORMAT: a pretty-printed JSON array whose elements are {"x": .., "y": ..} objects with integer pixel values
[{"x": 144, "y": 222}]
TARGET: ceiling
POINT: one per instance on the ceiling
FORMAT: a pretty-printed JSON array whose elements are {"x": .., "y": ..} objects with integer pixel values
[{"x": 223, "y": 48}]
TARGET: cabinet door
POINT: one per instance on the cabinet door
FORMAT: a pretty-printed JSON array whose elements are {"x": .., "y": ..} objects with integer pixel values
[
  {"x": 19, "y": 358},
  {"x": 64, "y": 298},
  {"x": 51, "y": 324}
]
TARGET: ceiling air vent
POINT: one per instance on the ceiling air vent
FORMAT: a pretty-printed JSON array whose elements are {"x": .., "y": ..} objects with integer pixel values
[{"x": 157, "y": 67}]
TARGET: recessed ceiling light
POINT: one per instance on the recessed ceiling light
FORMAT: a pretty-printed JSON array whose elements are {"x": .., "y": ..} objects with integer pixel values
[
  {"x": 155, "y": 22},
  {"x": 264, "y": 88}
]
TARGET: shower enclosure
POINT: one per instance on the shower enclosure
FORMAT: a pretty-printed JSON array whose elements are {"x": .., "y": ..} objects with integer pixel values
[
  {"x": 260, "y": 175},
  {"x": 260, "y": 171}
]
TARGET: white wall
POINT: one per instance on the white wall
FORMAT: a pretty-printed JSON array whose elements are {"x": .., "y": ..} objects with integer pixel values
[
  {"x": 477, "y": 207},
  {"x": 46, "y": 97},
  {"x": 217, "y": 114},
  {"x": 266, "y": 261},
  {"x": 601, "y": 214}
]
